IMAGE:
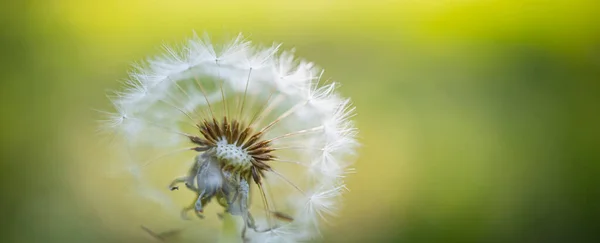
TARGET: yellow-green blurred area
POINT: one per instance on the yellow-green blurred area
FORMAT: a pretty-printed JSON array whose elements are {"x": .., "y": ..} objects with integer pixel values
[{"x": 478, "y": 119}]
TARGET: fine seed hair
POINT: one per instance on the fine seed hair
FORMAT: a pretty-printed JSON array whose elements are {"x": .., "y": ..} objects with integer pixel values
[{"x": 266, "y": 138}]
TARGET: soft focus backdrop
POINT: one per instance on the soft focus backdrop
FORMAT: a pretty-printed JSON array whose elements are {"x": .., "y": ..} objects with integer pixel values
[{"x": 479, "y": 119}]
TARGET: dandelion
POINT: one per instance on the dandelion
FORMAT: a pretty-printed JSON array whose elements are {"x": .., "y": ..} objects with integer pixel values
[{"x": 256, "y": 123}]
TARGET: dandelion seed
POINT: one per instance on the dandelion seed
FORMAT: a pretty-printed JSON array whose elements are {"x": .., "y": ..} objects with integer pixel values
[{"x": 261, "y": 123}]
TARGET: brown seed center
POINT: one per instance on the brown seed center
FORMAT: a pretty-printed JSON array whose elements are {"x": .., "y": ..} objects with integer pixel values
[{"x": 238, "y": 148}]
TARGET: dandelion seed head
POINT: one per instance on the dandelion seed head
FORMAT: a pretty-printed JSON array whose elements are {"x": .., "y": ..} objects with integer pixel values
[
  {"x": 273, "y": 140},
  {"x": 232, "y": 154}
]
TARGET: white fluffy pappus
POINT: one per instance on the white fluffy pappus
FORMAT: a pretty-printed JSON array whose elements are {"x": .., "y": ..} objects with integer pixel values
[{"x": 258, "y": 124}]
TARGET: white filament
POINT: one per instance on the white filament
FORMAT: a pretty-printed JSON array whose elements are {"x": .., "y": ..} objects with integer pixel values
[{"x": 274, "y": 92}]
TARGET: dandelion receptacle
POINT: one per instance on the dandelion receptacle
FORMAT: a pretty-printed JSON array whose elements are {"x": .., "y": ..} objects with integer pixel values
[{"x": 242, "y": 111}]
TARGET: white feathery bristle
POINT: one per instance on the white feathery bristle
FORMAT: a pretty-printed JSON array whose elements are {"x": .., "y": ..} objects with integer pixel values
[
  {"x": 323, "y": 202},
  {"x": 167, "y": 101}
]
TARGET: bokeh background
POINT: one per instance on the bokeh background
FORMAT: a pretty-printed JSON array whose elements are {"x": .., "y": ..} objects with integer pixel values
[{"x": 479, "y": 119}]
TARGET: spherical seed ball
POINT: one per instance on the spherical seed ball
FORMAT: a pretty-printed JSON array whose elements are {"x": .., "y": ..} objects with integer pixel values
[{"x": 268, "y": 141}]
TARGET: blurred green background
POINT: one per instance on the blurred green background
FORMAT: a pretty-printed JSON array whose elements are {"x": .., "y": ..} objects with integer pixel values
[{"x": 479, "y": 119}]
